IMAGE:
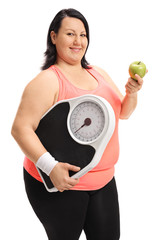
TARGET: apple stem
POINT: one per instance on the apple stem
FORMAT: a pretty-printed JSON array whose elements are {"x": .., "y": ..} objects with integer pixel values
[{"x": 139, "y": 63}]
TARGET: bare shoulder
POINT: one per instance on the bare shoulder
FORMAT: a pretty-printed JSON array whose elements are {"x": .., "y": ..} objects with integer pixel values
[
  {"x": 109, "y": 80},
  {"x": 44, "y": 84},
  {"x": 46, "y": 79},
  {"x": 38, "y": 96}
]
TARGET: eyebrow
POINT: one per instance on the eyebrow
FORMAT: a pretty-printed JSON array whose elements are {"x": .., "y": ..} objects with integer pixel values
[{"x": 67, "y": 29}]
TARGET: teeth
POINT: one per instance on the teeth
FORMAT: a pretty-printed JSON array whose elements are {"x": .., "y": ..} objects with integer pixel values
[{"x": 75, "y": 49}]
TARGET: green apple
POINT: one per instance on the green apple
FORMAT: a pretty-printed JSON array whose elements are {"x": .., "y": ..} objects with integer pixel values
[{"x": 137, "y": 68}]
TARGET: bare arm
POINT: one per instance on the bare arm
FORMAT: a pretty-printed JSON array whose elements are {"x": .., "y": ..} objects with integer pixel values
[
  {"x": 129, "y": 104},
  {"x": 38, "y": 96},
  {"x": 129, "y": 101}
]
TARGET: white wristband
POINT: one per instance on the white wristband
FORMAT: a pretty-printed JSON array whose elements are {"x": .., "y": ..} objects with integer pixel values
[{"x": 46, "y": 163}]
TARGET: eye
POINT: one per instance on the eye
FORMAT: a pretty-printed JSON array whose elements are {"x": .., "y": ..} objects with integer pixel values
[
  {"x": 70, "y": 34},
  {"x": 83, "y": 35}
]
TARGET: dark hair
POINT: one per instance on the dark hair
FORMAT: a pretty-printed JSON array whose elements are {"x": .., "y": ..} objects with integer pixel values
[{"x": 51, "y": 53}]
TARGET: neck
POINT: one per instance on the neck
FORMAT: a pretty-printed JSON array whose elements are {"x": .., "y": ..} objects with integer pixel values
[{"x": 69, "y": 67}]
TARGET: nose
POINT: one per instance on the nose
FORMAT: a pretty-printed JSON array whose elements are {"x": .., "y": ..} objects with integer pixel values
[{"x": 77, "y": 40}]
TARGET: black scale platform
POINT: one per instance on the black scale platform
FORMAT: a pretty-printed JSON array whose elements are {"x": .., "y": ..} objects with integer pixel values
[{"x": 53, "y": 133}]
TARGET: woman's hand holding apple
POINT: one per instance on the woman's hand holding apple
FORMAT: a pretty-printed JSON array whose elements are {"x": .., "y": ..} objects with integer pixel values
[
  {"x": 137, "y": 71},
  {"x": 132, "y": 86}
]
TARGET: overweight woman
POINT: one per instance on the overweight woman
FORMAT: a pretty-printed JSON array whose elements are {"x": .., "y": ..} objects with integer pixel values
[{"x": 89, "y": 203}]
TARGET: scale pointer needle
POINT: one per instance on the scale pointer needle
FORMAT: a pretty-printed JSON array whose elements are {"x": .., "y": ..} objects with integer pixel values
[{"x": 87, "y": 122}]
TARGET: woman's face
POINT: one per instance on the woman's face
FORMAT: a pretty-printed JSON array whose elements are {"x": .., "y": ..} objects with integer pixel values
[{"x": 71, "y": 41}]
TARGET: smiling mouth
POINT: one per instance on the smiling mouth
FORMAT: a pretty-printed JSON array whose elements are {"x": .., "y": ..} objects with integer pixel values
[{"x": 75, "y": 49}]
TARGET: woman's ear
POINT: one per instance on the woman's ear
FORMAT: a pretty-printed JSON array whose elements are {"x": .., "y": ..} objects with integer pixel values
[{"x": 53, "y": 37}]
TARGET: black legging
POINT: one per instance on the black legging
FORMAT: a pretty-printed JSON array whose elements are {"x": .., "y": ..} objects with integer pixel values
[{"x": 65, "y": 214}]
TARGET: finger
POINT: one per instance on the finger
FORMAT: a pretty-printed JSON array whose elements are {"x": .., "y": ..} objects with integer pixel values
[
  {"x": 146, "y": 70},
  {"x": 129, "y": 87},
  {"x": 73, "y": 168},
  {"x": 69, "y": 186},
  {"x": 132, "y": 82},
  {"x": 66, "y": 187},
  {"x": 132, "y": 89},
  {"x": 72, "y": 181},
  {"x": 139, "y": 79},
  {"x": 129, "y": 90},
  {"x": 60, "y": 190}
]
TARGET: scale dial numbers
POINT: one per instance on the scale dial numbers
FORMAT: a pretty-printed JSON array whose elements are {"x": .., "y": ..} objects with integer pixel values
[{"x": 87, "y": 121}]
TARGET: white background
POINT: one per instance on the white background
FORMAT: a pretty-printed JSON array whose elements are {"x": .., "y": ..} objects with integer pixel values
[{"x": 121, "y": 32}]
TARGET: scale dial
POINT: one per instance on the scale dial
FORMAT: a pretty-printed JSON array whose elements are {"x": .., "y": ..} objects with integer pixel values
[{"x": 87, "y": 121}]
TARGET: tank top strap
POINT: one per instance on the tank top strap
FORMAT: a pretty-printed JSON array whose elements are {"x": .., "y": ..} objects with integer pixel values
[
  {"x": 96, "y": 74},
  {"x": 63, "y": 85}
]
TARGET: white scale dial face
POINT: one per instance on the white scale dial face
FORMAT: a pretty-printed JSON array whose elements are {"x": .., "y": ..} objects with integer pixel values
[{"x": 87, "y": 121}]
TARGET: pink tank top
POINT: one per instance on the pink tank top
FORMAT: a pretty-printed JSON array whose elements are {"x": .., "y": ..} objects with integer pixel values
[{"x": 104, "y": 171}]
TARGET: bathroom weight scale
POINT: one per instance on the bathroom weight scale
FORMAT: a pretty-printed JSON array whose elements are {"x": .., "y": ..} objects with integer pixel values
[{"x": 76, "y": 131}]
